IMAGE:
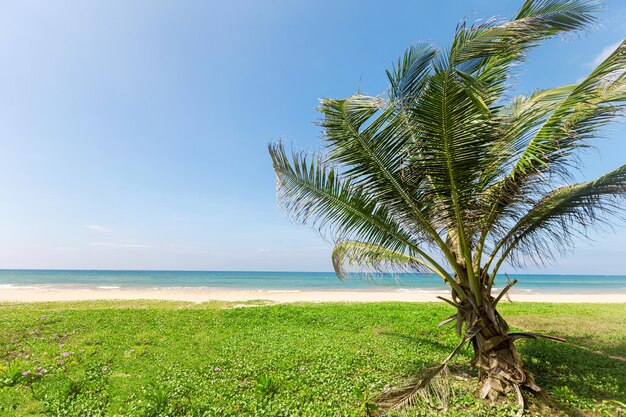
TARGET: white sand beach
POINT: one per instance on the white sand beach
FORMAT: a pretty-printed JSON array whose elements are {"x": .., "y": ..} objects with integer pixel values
[{"x": 287, "y": 296}]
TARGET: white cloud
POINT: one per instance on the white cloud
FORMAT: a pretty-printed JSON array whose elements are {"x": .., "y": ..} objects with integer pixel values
[
  {"x": 121, "y": 245},
  {"x": 604, "y": 54},
  {"x": 98, "y": 228},
  {"x": 265, "y": 250}
]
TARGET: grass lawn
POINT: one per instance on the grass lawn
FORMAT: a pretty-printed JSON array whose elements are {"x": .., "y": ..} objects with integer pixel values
[{"x": 179, "y": 359}]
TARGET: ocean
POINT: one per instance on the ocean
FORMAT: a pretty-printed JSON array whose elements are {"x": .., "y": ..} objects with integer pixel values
[{"x": 292, "y": 281}]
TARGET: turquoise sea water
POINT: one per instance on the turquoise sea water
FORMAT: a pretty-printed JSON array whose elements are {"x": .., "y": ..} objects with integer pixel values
[{"x": 292, "y": 281}]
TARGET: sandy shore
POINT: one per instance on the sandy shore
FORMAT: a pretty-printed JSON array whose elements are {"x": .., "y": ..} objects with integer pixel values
[{"x": 197, "y": 295}]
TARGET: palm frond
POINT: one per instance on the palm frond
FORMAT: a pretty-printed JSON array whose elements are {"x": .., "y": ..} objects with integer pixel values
[
  {"x": 546, "y": 130},
  {"x": 314, "y": 194},
  {"x": 456, "y": 136},
  {"x": 518, "y": 120},
  {"x": 367, "y": 256},
  {"x": 591, "y": 105},
  {"x": 564, "y": 213},
  {"x": 488, "y": 50},
  {"x": 408, "y": 77},
  {"x": 523, "y": 115},
  {"x": 373, "y": 154},
  {"x": 407, "y": 395}
]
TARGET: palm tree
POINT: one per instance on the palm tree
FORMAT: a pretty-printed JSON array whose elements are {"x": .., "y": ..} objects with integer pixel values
[{"x": 450, "y": 162}]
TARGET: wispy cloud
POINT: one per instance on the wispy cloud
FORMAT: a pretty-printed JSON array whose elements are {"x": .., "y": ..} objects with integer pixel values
[
  {"x": 121, "y": 245},
  {"x": 604, "y": 54},
  {"x": 64, "y": 248},
  {"x": 266, "y": 250},
  {"x": 98, "y": 228}
]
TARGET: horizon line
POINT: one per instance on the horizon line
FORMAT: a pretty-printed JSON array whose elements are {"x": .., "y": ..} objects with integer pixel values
[{"x": 269, "y": 271}]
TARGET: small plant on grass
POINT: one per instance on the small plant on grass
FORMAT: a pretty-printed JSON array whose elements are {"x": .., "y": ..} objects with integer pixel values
[
  {"x": 157, "y": 400},
  {"x": 366, "y": 404},
  {"x": 13, "y": 374},
  {"x": 267, "y": 386}
]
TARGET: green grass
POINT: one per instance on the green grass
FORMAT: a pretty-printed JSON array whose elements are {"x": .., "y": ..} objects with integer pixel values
[{"x": 178, "y": 359}]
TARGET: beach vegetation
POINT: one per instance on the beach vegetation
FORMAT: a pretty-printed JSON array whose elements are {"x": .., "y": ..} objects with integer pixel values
[
  {"x": 452, "y": 172},
  {"x": 328, "y": 359}
]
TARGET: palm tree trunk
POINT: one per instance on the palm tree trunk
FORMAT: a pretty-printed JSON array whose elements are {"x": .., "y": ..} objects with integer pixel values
[{"x": 500, "y": 367}]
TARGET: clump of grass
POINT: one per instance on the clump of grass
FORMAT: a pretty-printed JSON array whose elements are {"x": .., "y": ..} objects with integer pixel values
[{"x": 267, "y": 386}]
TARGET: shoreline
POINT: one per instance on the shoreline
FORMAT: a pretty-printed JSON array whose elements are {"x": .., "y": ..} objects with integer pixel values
[{"x": 22, "y": 295}]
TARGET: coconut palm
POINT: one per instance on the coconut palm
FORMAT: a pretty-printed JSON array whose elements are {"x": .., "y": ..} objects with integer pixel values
[{"x": 450, "y": 173}]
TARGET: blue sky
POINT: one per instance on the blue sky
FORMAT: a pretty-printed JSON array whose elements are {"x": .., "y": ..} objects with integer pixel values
[{"x": 133, "y": 134}]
